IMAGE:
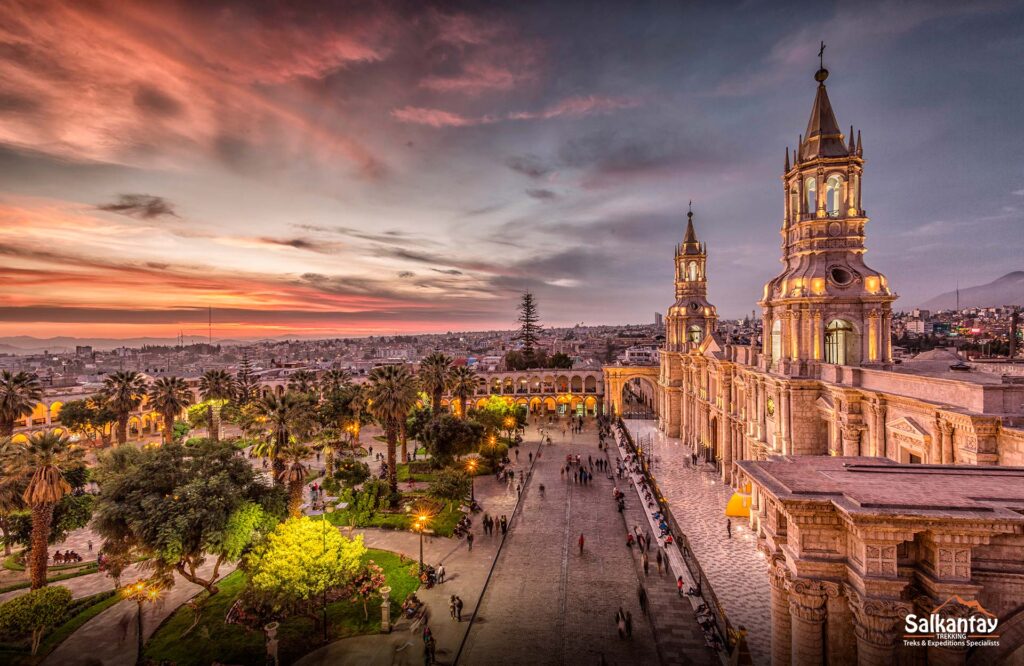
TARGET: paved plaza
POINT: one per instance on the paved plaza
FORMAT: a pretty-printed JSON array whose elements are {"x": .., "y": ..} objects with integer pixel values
[{"x": 737, "y": 570}]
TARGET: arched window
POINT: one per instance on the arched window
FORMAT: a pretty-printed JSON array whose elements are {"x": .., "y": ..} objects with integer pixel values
[
  {"x": 811, "y": 187},
  {"x": 695, "y": 334},
  {"x": 776, "y": 341},
  {"x": 833, "y": 195},
  {"x": 839, "y": 340},
  {"x": 691, "y": 271}
]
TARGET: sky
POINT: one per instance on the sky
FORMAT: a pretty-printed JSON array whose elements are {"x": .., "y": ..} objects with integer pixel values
[{"x": 324, "y": 169}]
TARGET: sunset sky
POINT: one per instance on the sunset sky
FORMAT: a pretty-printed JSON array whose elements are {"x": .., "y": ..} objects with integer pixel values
[{"x": 369, "y": 168}]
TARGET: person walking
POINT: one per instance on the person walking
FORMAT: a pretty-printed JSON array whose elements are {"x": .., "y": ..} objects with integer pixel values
[
  {"x": 659, "y": 559},
  {"x": 504, "y": 524},
  {"x": 451, "y": 605},
  {"x": 581, "y": 543},
  {"x": 440, "y": 572},
  {"x": 629, "y": 624},
  {"x": 620, "y": 624},
  {"x": 728, "y": 527},
  {"x": 647, "y": 564},
  {"x": 517, "y": 454},
  {"x": 679, "y": 585},
  {"x": 641, "y": 593},
  {"x": 458, "y": 608},
  {"x": 531, "y": 456},
  {"x": 469, "y": 540}
]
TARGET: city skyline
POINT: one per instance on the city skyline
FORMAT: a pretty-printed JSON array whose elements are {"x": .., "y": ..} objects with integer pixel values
[{"x": 372, "y": 171}]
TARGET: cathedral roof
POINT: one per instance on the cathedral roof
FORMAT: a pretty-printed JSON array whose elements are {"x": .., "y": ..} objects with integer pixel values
[
  {"x": 690, "y": 244},
  {"x": 823, "y": 137}
]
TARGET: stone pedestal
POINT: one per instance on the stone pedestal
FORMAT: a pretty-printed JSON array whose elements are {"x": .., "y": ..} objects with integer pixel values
[{"x": 385, "y": 610}]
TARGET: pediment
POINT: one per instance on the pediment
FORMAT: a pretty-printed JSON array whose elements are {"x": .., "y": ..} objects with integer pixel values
[
  {"x": 908, "y": 427},
  {"x": 710, "y": 347},
  {"x": 824, "y": 402}
]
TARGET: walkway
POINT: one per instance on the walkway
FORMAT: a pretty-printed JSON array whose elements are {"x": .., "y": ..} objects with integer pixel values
[
  {"x": 549, "y": 604},
  {"x": 737, "y": 570}
]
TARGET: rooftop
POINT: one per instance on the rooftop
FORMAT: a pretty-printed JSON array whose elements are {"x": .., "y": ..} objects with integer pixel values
[{"x": 864, "y": 486}]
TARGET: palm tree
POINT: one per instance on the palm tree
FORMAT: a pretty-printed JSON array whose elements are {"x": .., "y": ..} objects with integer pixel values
[
  {"x": 335, "y": 381},
  {"x": 293, "y": 473},
  {"x": 391, "y": 393},
  {"x": 43, "y": 460},
  {"x": 463, "y": 384},
  {"x": 302, "y": 381},
  {"x": 123, "y": 393},
  {"x": 280, "y": 413},
  {"x": 19, "y": 394},
  {"x": 11, "y": 488},
  {"x": 215, "y": 385},
  {"x": 169, "y": 395},
  {"x": 434, "y": 372}
]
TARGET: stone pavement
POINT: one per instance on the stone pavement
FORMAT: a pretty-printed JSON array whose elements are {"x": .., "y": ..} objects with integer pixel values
[
  {"x": 548, "y": 604},
  {"x": 111, "y": 638},
  {"x": 737, "y": 570}
]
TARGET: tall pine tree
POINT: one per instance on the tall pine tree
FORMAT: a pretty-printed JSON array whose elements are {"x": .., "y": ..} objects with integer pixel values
[{"x": 529, "y": 325}]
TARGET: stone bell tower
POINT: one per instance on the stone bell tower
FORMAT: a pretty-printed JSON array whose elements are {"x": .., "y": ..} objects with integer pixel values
[
  {"x": 691, "y": 317},
  {"x": 826, "y": 306}
]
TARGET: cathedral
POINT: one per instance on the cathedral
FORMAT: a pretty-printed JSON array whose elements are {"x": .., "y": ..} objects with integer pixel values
[{"x": 822, "y": 381}]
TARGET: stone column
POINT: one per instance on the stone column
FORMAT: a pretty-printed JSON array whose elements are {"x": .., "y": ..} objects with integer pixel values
[
  {"x": 807, "y": 612},
  {"x": 851, "y": 440},
  {"x": 946, "y": 435},
  {"x": 726, "y": 429},
  {"x": 840, "y": 642},
  {"x": 781, "y": 623},
  {"x": 875, "y": 625}
]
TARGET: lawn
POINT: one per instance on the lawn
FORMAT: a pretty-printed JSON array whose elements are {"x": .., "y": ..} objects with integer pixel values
[
  {"x": 80, "y": 612},
  {"x": 418, "y": 470},
  {"x": 442, "y": 522},
  {"x": 212, "y": 640}
]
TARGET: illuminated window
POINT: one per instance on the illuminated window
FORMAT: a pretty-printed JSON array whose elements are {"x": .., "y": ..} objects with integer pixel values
[
  {"x": 694, "y": 334},
  {"x": 833, "y": 194},
  {"x": 811, "y": 187},
  {"x": 839, "y": 338},
  {"x": 776, "y": 340},
  {"x": 691, "y": 270}
]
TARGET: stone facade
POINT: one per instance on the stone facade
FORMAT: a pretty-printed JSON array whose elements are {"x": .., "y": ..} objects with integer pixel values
[{"x": 858, "y": 544}]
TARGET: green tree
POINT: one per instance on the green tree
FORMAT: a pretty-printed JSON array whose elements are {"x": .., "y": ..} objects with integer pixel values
[
  {"x": 169, "y": 396},
  {"x": 463, "y": 384},
  {"x": 43, "y": 460},
  {"x": 334, "y": 381},
  {"x": 30, "y": 615},
  {"x": 70, "y": 513},
  {"x": 19, "y": 394},
  {"x": 529, "y": 324},
  {"x": 246, "y": 385},
  {"x": 216, "y": 387},
  {"x": 560, "y": 360},
  {"x": 450, "y": 485},
  {"x": 448, "y": 436},
  {"x": 302, "y": 381},
  {"x": 182, "y": 505},
  {"x": 122, "y": 392},
  {"x": 498, "y": 414},
  {"x": 300, "y": 562},
  {"x": 280, "y": 415},
  {"x": 89, "y": 418},
  {"x": 433, "y": 374},
  {"x": 294, "y": 474},
  {"x": 392, "y": 392}
]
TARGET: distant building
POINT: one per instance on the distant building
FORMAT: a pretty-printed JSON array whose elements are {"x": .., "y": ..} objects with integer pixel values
[{"x": 659, "y": 320}]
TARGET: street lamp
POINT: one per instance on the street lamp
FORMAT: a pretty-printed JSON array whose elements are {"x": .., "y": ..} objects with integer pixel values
[
  {"x": 141, "y": 593},
  {"x": 420, "y": 525},
  {"x": 323, "y": 531},
  {"x": 471, "y": 464}
]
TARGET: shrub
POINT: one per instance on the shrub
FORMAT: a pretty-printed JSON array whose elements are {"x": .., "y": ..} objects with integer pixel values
[
  {"x": 352, "y": 472},
  {"x": 33, "y": 613},
  {"x": 450, "y": 484}
]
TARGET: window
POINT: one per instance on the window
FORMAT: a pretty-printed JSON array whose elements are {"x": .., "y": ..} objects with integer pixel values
[
  {"x": 695, "y": 334},
  {"x": 691, "y": 271},
  {"x": 811, "y": 187},
  {"x": 776, "y": 341},
  {"x": 839, "y": 338},
  {"x": 833, "y": 195}
]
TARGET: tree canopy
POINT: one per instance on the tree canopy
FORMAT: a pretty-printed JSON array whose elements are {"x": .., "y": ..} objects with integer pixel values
[
  {"x": 446, "y": 437},
  {"x": 33, "y": 613}
]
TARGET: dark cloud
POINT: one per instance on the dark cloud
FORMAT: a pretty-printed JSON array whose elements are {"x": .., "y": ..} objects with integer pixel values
[
  {"x": 447, "y": 271},
  {"x": 528, "y": 165},
  {"x": 141, "y": 206},
  {"x": 406, "y": 274},
  {"x": 320, "y": 247},
  {"x": 12, "y": 102},
  {"x": 156, "y": 102},
  {"x": 542, "y": 194},
  {"x": 389, "y": 237}
]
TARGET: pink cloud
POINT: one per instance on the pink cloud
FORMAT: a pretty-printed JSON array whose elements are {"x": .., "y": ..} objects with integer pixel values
[
  {"x": 477, "y": 78},
  {"x": 570, "y": 107}
]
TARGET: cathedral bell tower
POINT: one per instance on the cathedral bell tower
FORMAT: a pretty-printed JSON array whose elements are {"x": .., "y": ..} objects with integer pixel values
[
  {"x": 826, "y": 306},
  {"x": 691, "y": 317}
]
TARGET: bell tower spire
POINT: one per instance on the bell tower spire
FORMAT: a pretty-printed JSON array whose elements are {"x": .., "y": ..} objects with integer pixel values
[
  {"x": 827, "y": 305},
  {"x": 691, "y": 318}
]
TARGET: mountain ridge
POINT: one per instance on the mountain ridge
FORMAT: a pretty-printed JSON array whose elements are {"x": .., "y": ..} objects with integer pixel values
[{"x": 1005, "y": 290}]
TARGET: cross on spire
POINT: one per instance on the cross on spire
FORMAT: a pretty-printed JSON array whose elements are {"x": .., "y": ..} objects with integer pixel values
[{"x": 821, "y": 56}]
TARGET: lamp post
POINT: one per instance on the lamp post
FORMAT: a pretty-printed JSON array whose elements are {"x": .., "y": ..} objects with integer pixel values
[
  {"x": 323, "y": 531},
  {"x": 420, "y": 525},
  {"x": 471, "y": 464},
  {"x": 141, "y": 593}
]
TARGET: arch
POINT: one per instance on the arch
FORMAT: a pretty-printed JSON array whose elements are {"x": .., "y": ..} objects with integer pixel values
[
  {"x": 590, "y": 405},
  {"x": 523, "y": 386},
  {"x": 279, "y": 390},
  {"x": 510, "y": 386},
  {"x": 776, "y": 341},
  {"x": 711, "y": 451},
  {"x": 638, "y": 398},
  {"x": 535, "y": 405},
  {"x": 811, "y": 188},
  {"x": 480, "y": 403},
  {"x": 134, "y": 426},
  {"x": 550, "y": 405},
  {"x": 615, "y": 380},
  {"x": 55, "y": 411},
  {"x": 833, "y": 195},
  {"x": 548, "y": 384},
  {"x": 562, "y": 384},
  {"x": 691, "y": 271},
  {"x": 39, "y": 414},
  {"x": 590, "y": 384},
  {"x": 694, "y": 334},
  {"x": 522, "y": 402},
  {"x": 840, "y": 343},
  {"x": 576, "y": 384}
]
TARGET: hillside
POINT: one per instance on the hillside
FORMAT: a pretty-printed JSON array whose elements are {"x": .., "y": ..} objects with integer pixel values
[{"x": 1007, "y": 290}]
